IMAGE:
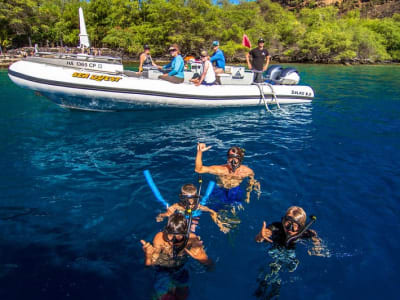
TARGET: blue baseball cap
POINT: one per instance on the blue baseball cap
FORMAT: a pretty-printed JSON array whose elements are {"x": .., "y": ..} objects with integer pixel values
[{"x": 215, "y": 43}]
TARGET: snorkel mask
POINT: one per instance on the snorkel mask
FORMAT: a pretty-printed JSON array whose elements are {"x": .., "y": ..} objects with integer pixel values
[
  {"x": 300, "y": 231},
  {"x": 290, "y": 222},
  {"x": 234, "y": 161},
  {"x": 176, "y": 241},
  {"x": 190, "y": 202}
]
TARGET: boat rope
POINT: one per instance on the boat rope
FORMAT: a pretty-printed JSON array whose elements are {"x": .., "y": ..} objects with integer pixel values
[{"x": 262, "y": 96}]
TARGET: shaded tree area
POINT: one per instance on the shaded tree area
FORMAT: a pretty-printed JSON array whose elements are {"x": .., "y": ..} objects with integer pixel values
[{"x": 310, "y": 34}]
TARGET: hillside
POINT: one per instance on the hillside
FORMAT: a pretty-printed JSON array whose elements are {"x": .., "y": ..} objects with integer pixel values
[{"x": 368, "y": 8}]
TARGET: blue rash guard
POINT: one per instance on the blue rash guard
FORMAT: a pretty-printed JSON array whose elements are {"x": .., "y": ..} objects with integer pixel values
[
  {"x": 219, "y": 59},
  {"x": 177, "y": 65}
]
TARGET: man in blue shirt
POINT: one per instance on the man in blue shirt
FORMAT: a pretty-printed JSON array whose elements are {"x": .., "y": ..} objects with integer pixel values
[
  {"x": 219, "y": 59},
  {"x": 176, "y": 65}
]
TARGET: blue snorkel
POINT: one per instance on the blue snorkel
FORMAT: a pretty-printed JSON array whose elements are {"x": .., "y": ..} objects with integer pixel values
[
  {"x": 160, "y": 198},
  {"x": 154, "y": 188},
  {"x": 209, "y": 190}
]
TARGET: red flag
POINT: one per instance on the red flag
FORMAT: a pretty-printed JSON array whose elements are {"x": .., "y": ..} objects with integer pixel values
[{"x": 246, "y": 41}]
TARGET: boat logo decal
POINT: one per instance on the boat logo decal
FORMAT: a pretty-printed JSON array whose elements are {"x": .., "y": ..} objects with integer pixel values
[
  {"x": 96, "y": 77},
  {"x": 301, "y": 93}
]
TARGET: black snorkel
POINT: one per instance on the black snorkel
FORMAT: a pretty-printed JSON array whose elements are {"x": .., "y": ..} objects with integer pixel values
[{"x": 293, "y": 238}]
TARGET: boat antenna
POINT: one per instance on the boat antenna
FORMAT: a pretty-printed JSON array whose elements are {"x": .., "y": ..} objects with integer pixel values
[{"x": 83, "y": 36}]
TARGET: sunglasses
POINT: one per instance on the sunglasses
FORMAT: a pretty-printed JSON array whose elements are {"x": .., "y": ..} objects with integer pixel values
[{"x": 172, "y": 50}]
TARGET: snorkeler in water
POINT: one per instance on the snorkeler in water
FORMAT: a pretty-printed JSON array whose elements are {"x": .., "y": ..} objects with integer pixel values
[
  {"x": 169, "y": 252},
  {"x": 189, "y": 204},
  {"x": 229, "y": 175},
  {"x": 283, "y": 237},
  {"x": 290, "y": 230}
]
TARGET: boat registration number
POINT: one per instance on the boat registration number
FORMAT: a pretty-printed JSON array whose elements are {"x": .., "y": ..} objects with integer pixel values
[{"x": 96, "y": 77}]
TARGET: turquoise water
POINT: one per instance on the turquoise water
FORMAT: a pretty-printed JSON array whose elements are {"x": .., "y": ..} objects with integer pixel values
[{"x": 74, "y": 203}]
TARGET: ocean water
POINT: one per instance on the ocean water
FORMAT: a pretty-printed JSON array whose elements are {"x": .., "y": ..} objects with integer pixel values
[{"x": 74, "y": 203}]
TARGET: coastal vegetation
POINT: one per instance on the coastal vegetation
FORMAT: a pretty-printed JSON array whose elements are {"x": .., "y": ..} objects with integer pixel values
[{"x": 321, "y": 34}]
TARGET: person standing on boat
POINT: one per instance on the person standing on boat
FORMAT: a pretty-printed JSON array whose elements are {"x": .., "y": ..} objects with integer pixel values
[
  {"x": 229, "y": 177},
  {"x": 258, "y": 56},
  {"x": 145, "y": 60},
  {"x": 218, "y": 58},
  {"x": 208, "y": 75},
  {"x": 169, "y": 252},
  {"x": 177, "y": 65}
]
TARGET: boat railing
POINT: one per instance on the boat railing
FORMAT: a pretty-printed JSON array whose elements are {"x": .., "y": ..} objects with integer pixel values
[{"x": 81, "y": 57}]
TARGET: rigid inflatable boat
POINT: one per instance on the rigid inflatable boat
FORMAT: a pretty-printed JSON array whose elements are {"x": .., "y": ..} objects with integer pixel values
[
  {"x": 86, "y": 82},
  {"x": 100, "y": 83}
]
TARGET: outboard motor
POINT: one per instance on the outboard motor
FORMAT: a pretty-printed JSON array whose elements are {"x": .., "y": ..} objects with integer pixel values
[
  {"x": 288, "y": 76},
  {"x": 273, "y": 73}
]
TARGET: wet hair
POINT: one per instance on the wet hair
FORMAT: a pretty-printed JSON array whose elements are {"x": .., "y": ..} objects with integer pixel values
[
  {"x": 299, "y": 215},
  {"x": 189, "y": 189},
  {"x": 177, "y": 224},
  {"x": 236, "y": 150}
]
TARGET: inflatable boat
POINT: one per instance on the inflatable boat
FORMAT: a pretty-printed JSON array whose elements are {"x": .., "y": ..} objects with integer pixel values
[
  {"x": 99, "y": 83},
  {"x": 86, "y": 82}
]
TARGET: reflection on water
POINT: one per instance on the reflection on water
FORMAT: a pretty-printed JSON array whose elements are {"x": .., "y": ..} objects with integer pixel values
[{"x": 74, "y": 203}]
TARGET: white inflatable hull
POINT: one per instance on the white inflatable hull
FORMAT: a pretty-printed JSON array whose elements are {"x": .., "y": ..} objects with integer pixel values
[{"x": 93, "y": 90}]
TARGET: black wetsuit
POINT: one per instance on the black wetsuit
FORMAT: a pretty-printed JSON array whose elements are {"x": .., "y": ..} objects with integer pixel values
[{"x": 279, "y": 236}]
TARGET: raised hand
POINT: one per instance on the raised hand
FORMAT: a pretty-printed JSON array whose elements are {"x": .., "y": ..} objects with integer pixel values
[
  {"x": 147, "y": 247},
  {"x": 159, "y": 218},
  {"x": 202, "y": 147},
  {"x": 266, "y": 233}
]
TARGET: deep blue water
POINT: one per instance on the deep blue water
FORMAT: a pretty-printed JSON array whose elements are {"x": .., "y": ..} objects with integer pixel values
[{"x": 74, "y": 203}]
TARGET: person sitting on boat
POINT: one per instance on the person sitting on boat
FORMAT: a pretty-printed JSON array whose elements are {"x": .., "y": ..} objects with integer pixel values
[
  {"x": 177, "y": 65},
  {"x": 190, "y": 205},
  {"x": 258, "y": 56},
  {"x": 208, "y": 75},
  {"x": 229, "y": 176},
  {"x": 169, "y": 252},
  {"x": 218, "y": 58},
  {"x": 283, "y": 235},
  {"x": 145, "y": 60}
]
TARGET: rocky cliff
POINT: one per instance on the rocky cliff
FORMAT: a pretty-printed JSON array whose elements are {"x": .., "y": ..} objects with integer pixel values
[{"x": 368, "y": 8}]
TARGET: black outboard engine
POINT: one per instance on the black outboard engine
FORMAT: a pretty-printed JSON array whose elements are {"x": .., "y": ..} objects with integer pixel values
[{"x": 278, "y": 75}]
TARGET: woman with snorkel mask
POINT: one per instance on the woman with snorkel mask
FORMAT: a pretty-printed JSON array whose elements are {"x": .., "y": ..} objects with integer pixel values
[
  {"x": 291, "y": 229},
  {"x": 169, "y": 252},
  {"x": 283, "y": 237},
  {"x": 189, "y": 204},
  {"x": 229, "y": 176}
]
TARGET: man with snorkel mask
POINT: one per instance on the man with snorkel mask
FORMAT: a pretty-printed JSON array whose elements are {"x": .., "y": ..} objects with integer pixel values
[
  {"x": 190, "y": 205},
  {"x": 229, "y": 175},
  {"x": 169, "y": 253}
]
